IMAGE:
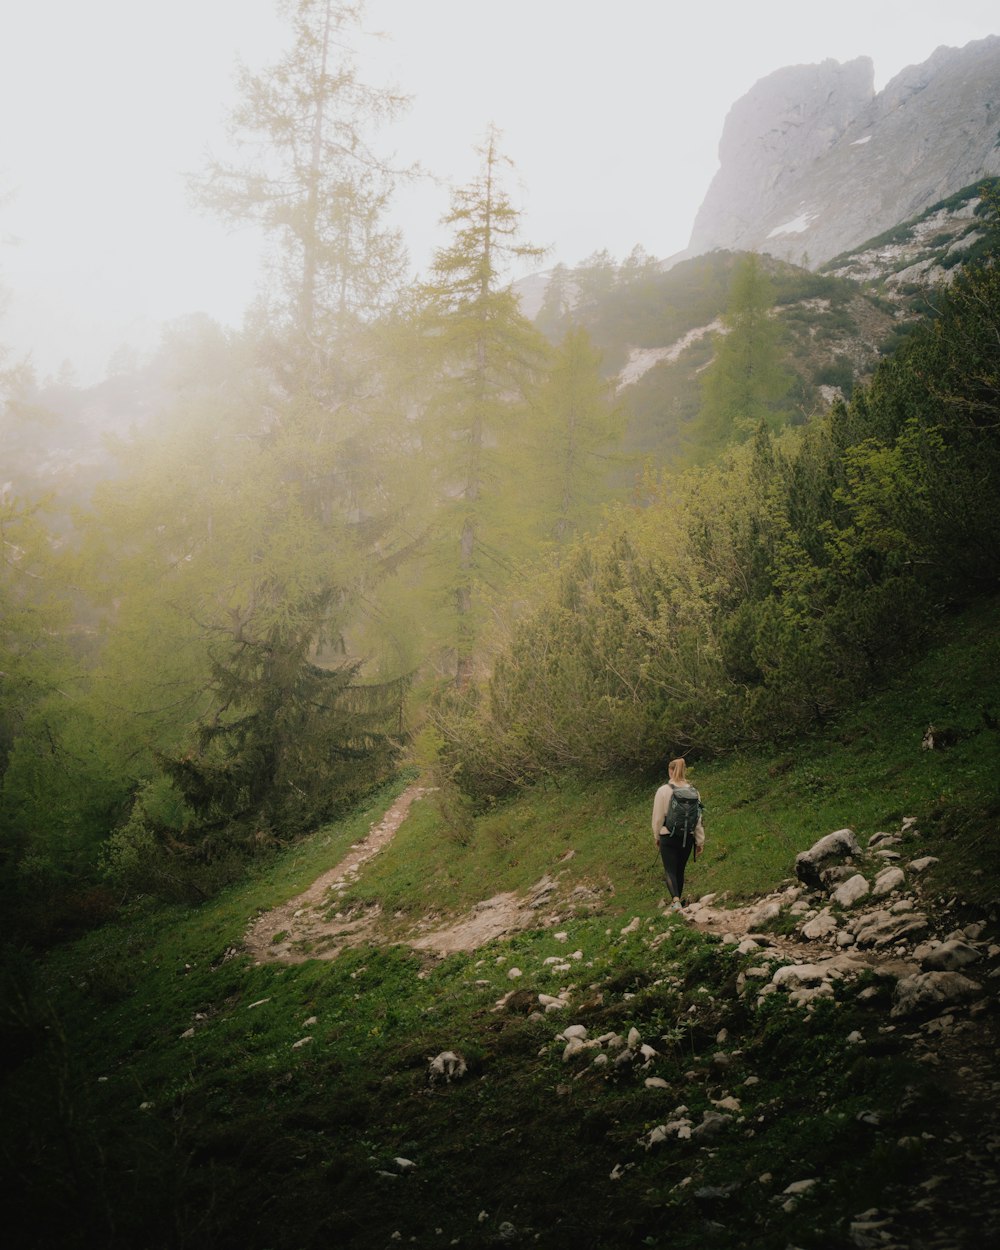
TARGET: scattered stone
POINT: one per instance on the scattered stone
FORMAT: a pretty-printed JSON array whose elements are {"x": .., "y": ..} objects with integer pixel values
[
  {"x": 888, "y": 879},
  {"x": 931, "y": 989},
  {"x": 882, "y": 928},
  {"x": 514, "y": 973},
  {"x": 574, "y": 1030},
  {"x": 832, "y": 877},
  {"x": 715, "y": 1193},
  {"x": 404, "y": 1165},
  {"x": 947, "y": 956},
  {"x": 186, "y": 1034},
  {"x": 883, "y": 840},
  {"x": 851, "y": 891},
  {"x": 712, "y": 1124},
  {"x": 800, "y": 1187},
  {"x": 809, "y": 864},
  {"x": 307, "y": 1024},
  {"x": 770, "y": 909},
  {"x": 631, "y": 927},
  {"x": 653, "y": 1082},
  {"x": 821, "y": 926},
  {"x": 303, "y": 1041},
  {"x": 445, "y": 1067}
]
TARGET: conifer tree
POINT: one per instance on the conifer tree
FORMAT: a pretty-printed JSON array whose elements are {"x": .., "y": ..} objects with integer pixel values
[
  {"x": 485, "y": 356},
  {"x": 315, "y": 183},
  {"x": 745, "y": 383},
  {"x": 574, "y": 434}
]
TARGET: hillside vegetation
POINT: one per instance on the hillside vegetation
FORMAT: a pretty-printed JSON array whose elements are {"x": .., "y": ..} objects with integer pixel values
[{"x": 160, "y": 1091}]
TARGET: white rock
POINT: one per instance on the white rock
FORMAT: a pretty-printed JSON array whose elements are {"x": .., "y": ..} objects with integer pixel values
[
  {"x": 259, "y": 1003},
  {"x": 303, "y": 1041},
  {"x": 855, "y": 1038},
  {"x": 654, "y": 1082},
  {"x": 631, "y": 927},
  {"x": 800, "y": 1187},
  {"x": 514, "y": 973},
  {"x": 404, "y": 1165},
  {"x": 447, "y": 1066},
  {"x": 821, "y": 926},
  {"x": 187, "y": 1033},
  {"x": 575, "y": 1046},
  {"x": 928, "y": 989},
  {"x": 923, "y": 863},
  {"x": 634, "y": 1038},
  {"x": 888, "y": 879},
  {"x": 307, "y": 1024},
  {"x": 575, "y": 1030},
  {"x": 947, "y": 956},
  {"x": 729, "y": 1103},
  {"x": 561, "y": 937},
  {"x": 850, "y": 891}
]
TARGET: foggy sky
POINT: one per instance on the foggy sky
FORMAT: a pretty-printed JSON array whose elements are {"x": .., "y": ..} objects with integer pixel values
[{"x": 612, "y": 114}]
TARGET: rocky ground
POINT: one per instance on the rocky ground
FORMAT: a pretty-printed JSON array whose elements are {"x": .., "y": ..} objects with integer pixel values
[{"x": 850, "y": 912}]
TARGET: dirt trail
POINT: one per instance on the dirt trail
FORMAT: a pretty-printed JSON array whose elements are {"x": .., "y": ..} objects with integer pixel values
[
  {"x": 299, "y": 930},
  {"x": 304, "y": 928}
]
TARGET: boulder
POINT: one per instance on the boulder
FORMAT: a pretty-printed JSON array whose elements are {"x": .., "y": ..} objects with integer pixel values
[
  {"x": 930, "y": 990},
  {"x": 809, "y": 864},
  {"x": 712, "y": 1124},
  {"x": 888, "y": 879},
  {"x": 821, "y": 926},
  {"x": 881, "y": 928},
  {"x": 946, "y": 956},
  {"x": 922, "y": 864},
  {"x": 445, "y": 1067},
  {"x": 850, "y": 891}
]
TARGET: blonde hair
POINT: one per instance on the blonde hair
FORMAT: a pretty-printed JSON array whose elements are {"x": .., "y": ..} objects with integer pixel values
[{"x": 678, "y": 770}]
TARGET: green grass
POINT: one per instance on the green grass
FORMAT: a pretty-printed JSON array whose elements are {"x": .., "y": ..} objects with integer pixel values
[{"x": 123, "y": 1132}]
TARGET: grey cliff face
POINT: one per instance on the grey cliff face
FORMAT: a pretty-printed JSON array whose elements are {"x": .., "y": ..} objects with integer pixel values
[{"x": 813, "y": 162}]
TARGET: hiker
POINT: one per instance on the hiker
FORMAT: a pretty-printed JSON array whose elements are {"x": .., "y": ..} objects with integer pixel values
[{"x": 677, "y": 827}]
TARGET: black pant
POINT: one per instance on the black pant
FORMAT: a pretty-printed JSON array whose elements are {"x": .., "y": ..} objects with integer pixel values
[{"x": 675, "y": 850}]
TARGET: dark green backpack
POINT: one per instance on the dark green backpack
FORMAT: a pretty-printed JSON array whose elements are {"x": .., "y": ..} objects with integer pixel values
[{"x": 683, "y": 812}]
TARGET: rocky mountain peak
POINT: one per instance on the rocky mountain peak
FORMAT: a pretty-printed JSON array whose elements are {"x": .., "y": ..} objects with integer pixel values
[{"x": 813, "y": 162}]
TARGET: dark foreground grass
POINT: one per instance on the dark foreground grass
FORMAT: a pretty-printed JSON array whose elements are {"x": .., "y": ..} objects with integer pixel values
[{"x": 156, "y": 1095}]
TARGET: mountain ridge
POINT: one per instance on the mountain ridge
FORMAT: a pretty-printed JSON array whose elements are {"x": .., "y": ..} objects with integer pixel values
[{"x": 814, "y": 161}]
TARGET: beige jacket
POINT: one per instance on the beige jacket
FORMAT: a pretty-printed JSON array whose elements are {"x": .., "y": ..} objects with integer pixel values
[{"x": 661, "y": 802}]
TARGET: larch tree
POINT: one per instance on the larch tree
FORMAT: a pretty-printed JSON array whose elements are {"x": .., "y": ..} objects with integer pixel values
[
  {"x": 485, "y": 358},
  {"x": 574, "y": 435},
  {"x": 277, "y": 530},
  {"x": 313, "y": 180}
]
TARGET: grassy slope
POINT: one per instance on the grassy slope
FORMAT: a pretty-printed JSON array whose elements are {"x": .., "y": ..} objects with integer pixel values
[{"x": 248, "y": 1142}]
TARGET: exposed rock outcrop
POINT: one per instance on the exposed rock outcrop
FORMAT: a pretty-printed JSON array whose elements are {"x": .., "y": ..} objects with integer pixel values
[{"x": 813, "y": 163}]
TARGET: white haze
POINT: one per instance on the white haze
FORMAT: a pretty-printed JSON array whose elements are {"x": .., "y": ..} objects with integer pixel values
[{"x": 612, "y": 113}]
